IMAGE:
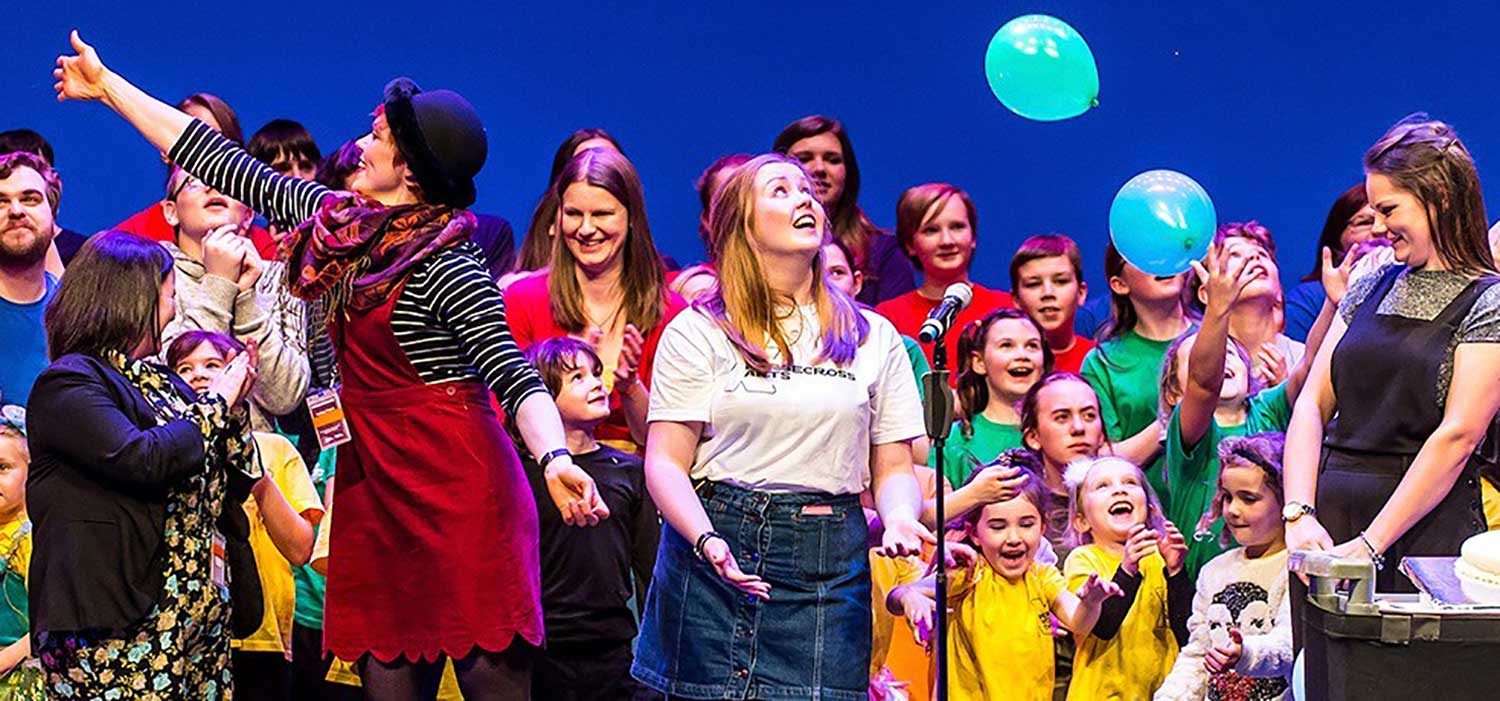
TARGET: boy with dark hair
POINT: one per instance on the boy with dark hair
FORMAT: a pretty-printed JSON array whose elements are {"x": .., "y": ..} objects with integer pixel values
[
  {"x": 1046, "y": 281},
  {"x": 590, "y": 575}
]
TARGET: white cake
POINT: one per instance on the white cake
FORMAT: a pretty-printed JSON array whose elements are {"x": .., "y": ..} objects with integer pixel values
[{"x": 1478, "y": 567}]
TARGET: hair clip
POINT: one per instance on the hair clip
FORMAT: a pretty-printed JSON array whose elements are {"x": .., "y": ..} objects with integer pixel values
[{"x": 14, "y": 416}]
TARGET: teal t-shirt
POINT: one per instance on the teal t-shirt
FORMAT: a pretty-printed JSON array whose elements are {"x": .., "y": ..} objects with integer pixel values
[
  {"x": 963, "y": 454},
  {"x": 1126, "y": 374},
  {"x": 312, "y": 586},
  {"x": 919, "y": 364},
  {"x": 1193, "y": 471}
]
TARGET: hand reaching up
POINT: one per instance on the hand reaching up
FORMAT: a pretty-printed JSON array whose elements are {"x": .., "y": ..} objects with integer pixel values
[{"x": 80, "y": 76}]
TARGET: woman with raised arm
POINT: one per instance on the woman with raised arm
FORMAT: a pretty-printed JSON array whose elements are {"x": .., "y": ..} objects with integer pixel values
[
  {"x": 436, "y": 549},
  {"x": 1409, "y": 373}
]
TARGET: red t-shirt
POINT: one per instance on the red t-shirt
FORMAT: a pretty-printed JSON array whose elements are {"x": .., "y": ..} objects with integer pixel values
[
  {"x": 151, "y": 223},
  {"x": 908, "y": 311},
  {"x": 528, "y": 309},
  {"x": 1071, "y": 360}
]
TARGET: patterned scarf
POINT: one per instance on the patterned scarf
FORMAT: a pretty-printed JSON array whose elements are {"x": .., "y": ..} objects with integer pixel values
[{"x": 356, "y": 250}]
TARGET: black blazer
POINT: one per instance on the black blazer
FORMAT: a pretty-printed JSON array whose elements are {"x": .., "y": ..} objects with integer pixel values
[{"x": 96, "y": 495}]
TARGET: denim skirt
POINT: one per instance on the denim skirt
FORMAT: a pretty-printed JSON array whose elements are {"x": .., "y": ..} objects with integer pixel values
[{"x": 703, "y": 639}]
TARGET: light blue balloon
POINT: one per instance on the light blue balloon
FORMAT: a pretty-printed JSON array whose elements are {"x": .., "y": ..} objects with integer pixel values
[
  {"x": 1041, "y": 68},
  {"x": 1299, "y": 678},
  {"x": 1162, "y": 220}
]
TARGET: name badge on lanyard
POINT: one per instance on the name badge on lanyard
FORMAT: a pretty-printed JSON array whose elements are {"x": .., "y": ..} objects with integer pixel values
[{"x": 328, "y": 418}]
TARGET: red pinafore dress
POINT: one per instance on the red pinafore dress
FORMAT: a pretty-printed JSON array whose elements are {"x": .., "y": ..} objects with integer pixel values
[{"x": 435, "y": 548}]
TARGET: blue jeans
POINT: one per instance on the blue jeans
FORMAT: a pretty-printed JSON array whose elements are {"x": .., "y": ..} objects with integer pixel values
[{"x": 701, "y": 638}]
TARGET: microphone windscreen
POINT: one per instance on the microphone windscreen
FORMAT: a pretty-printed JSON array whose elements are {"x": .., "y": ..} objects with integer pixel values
[{"x": 962, "y": 291}]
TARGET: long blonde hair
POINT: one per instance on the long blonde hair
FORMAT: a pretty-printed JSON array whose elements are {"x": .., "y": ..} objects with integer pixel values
[{"x": 743, "y": 303}]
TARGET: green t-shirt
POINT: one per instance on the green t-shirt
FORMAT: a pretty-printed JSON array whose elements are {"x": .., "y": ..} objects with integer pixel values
[
  {"x": 1194, "y": 470},
  {"x": 311, "y": 586},
  {"x": 962, "y": 454},
  {"x": 919, "y": 364},
  {"x": 1126, "y": 374}
]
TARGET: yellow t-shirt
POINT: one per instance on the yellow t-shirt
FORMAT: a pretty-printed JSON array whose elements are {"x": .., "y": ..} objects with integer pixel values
[
  {"x": 1491, "y": 498},
  {"x": 1000, "y": 635},
  {"x": 1136, "y": 661},
  {"x": 894, "y": 644},
  {"x": 281, "y": 461}
]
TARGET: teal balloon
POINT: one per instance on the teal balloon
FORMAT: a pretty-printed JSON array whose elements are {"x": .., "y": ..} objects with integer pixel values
[
  {"x": 1161, "y": 221},
  {"x": 1040, "y": 68}
]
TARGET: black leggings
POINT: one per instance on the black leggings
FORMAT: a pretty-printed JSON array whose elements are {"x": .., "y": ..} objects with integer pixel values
[{"x": 482, "y": 676}]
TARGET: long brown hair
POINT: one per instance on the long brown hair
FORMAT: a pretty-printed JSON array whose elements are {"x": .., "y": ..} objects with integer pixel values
[
  {"x": 974, "y": 387},
  {"x": 743, "y": 304},
  {"x": 229, "y": 122},
  {"x": 536, "y": 245},
  {"x": 1425, "y": 157},
  {"x": 1344, "y": 208},
  {"x": 642, "y": 276},
  {"x": 849, "y": 222},
  {"x": 108, "y": 299},
  {"x": 922, "y": 202}
]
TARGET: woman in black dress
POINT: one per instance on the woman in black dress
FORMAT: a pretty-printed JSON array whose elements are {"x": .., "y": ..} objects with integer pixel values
[{"x": 1410, "y": 377}]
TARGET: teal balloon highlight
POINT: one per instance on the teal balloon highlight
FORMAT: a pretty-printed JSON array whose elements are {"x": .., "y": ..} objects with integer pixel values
[
  {"x": 1041, "y": 68},
  {"x": 1161, "y": 220}
]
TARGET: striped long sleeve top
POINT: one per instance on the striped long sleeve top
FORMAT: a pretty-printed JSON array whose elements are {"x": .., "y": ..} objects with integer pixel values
[{"x": 449, "y": 319}]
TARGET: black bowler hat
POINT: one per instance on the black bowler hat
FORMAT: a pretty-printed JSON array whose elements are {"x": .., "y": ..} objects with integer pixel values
[{"x": 441, "y": 137}]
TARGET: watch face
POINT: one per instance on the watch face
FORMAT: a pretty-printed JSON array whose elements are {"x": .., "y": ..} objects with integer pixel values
[{"x": 1291, "y": 512}]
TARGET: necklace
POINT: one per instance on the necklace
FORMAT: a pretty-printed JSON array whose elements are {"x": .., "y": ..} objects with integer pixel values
[{"x": 608, "y": 324}]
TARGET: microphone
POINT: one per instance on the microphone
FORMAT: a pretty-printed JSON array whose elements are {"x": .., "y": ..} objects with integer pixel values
[{"x": 955, "y": 299}]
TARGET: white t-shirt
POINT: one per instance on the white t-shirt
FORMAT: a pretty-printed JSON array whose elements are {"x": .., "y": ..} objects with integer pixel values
[{"x": 803, "y": 428}]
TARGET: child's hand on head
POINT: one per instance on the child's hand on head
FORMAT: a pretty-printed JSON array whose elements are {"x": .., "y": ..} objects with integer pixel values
[
  {"x": 1142, "y": 542},
  {"x": 998, "y": 482},
  {"x": 1095, "y": 590},
  {"x": 1173, "y": 549}
]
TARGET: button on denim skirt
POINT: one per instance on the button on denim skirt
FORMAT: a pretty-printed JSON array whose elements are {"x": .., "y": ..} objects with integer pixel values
[{"x": 703, "y": 639}]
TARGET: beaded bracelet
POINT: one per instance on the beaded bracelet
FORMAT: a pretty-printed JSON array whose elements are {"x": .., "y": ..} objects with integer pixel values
[
  {"x": 703, "y": 540},
  {"x": 1375, "y": 557}
]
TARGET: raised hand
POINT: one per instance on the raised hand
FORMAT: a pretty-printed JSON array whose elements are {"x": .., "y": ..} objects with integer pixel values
[
  {"x": 1173, "y": 549},
  {"x": 237, "y": 379},
  {"x": 80, "y": 76},
  {"x": 998, "y": 482},
  {"x": 1222, "y": 658},
  {"x": 717, "y": 552},
  {"x": 627, "y": 369},
  {"x": 252, "y": 266},
  {"x": 1141, "y": 543},
  {"x": 223, "y": 254},
  {"x": 1095, "y": 590},
  {"x": 1271, "y": 367},
  {"x": 1224, "y": 277}
]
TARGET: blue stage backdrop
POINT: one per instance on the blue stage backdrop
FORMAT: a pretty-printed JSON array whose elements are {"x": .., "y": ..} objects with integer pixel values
[{"x": 1268, "y": 105}]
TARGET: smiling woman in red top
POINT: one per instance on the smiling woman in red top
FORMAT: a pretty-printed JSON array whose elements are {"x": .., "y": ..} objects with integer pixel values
[
  {"x": 606, "y": 286},
  {"x": 938, "y": 227}
]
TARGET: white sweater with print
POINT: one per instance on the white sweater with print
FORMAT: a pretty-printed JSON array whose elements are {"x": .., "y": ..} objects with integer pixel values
[{"x": 1235, "y": 591}]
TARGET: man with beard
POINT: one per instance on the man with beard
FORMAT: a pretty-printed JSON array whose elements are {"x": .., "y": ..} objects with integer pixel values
[
  {"x": 67, "y": 241},
  {"x": 28, "y": 202}
]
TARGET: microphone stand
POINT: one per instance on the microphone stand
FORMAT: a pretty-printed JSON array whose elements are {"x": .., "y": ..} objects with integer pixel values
[{"x": 939, "y": 418}]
